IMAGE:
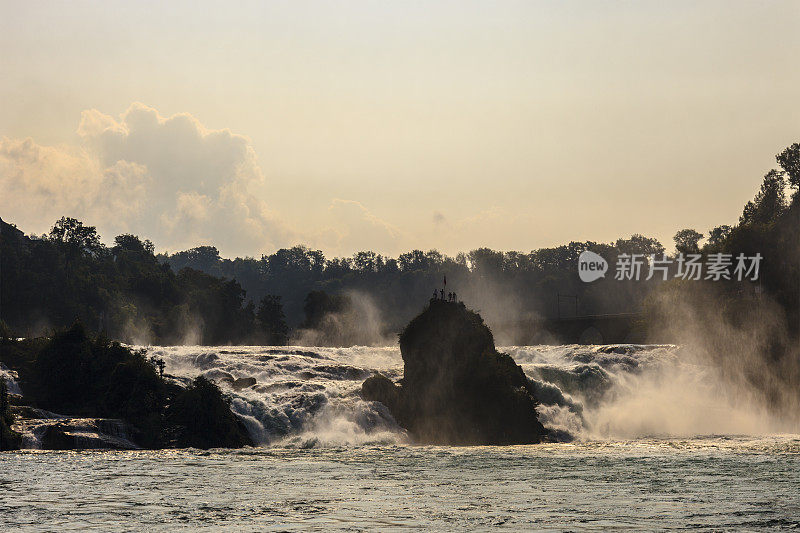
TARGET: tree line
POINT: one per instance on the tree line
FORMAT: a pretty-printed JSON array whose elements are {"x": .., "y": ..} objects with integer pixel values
[{"x": 135, "y": 295}]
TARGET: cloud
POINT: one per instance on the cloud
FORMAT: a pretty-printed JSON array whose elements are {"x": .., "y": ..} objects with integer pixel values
[
  {"x": 45, "y": 181},
  {"x": 354, "y": 227},
  {"x": 168, "y": 179}
]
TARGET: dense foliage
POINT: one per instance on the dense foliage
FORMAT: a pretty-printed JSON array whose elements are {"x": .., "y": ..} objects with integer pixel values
[
  {"x": 750, "y": 330},
  {"x": 123, "y": 291},
  {"x": 201, "y": 418},
  {"x": 80, "y": 375},
  {"x": 195, "y": 296},
  {"x": 527, "y": 282},
  {"x": 769, "y": 226}
]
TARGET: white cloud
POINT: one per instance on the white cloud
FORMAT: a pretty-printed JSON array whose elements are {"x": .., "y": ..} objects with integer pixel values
[
  {"x": 43, "y": 183},
  {"x": 168, "y": 179}
]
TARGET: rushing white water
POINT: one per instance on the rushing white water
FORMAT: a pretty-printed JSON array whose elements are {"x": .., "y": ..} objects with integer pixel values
[
  {"x": 305, "y": 396},
  {"x": 332, "y": 462},
  {"x": 309, "y": 396},
  {"x": 10, "y": 377}
]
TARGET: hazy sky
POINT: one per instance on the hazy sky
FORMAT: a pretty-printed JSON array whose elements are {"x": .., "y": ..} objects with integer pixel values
[{"x": 392, "y": 126}]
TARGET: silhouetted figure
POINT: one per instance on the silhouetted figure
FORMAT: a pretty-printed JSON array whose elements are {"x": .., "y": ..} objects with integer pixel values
[
  {"x": 442, "y": 293},
  {"x": 160, "y": 364},
  {"x": 455, "y": 299},
  {"x": 435, "y": 294}
]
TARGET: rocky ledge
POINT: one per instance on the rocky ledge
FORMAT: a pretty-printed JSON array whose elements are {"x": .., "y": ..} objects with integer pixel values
[{"x": 457, "y": 388}]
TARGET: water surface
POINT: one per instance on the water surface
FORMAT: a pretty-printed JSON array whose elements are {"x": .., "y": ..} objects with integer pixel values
[
  {"x": 714, "y": 483},
  {"x": 658, "y": 442}
]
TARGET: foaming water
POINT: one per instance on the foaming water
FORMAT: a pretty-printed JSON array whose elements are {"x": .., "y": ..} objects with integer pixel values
[
  {"x": 658, "y": 442},
  {"x": 10, "y": 377},
  {"x": 309, "y": 396},
  {"x": 629, "y": 391},
  {"x": 303, "y": 396}
]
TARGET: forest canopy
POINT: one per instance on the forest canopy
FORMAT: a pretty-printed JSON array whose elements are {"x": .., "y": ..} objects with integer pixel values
[{"x": 196, "y": 296}]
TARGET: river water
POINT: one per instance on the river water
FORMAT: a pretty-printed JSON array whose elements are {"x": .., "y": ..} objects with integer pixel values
[{"x": 652, "y": 439}]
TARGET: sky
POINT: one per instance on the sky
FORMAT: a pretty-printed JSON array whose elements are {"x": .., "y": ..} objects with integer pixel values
[{"x": 392, "y": 126}]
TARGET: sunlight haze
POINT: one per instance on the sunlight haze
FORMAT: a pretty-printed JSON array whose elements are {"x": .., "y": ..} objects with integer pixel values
[{"x": 360, "y": 125}]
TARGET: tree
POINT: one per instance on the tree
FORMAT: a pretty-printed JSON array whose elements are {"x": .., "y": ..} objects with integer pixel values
[
  {"x": 413, "y": 260},
  {"x": 5, "y": 331},
  {"x": 202, "y": 418},
  {"x": 73, "y": 233},
  {"x": 204, "y": 258},
  {"x": 718, "y": 235},
  {"x": 272, "y": 320},
  {"x": 132, "y": 243},
  {"x": 639, "y": 244},
  {"x": 318, "y": 304},
  {"x": 789, "y": 160},
  {"x": 365, "y": 261},
  {"x": 486, "y": 262},
  {"x": 769, "y": 203},
  {"x": 686, "y": 241}
]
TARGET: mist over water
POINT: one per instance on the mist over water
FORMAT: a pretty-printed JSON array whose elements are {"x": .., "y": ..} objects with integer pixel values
[
  {"x": 657, "y": 437},
  {"x": 359, "y": 323},
  {"x": 634, "y": 391},
  {"x": 310, "y": 396}
]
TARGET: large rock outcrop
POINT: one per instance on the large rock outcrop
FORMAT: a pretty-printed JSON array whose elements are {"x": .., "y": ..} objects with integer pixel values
[{"x": 457, "y": 388}]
